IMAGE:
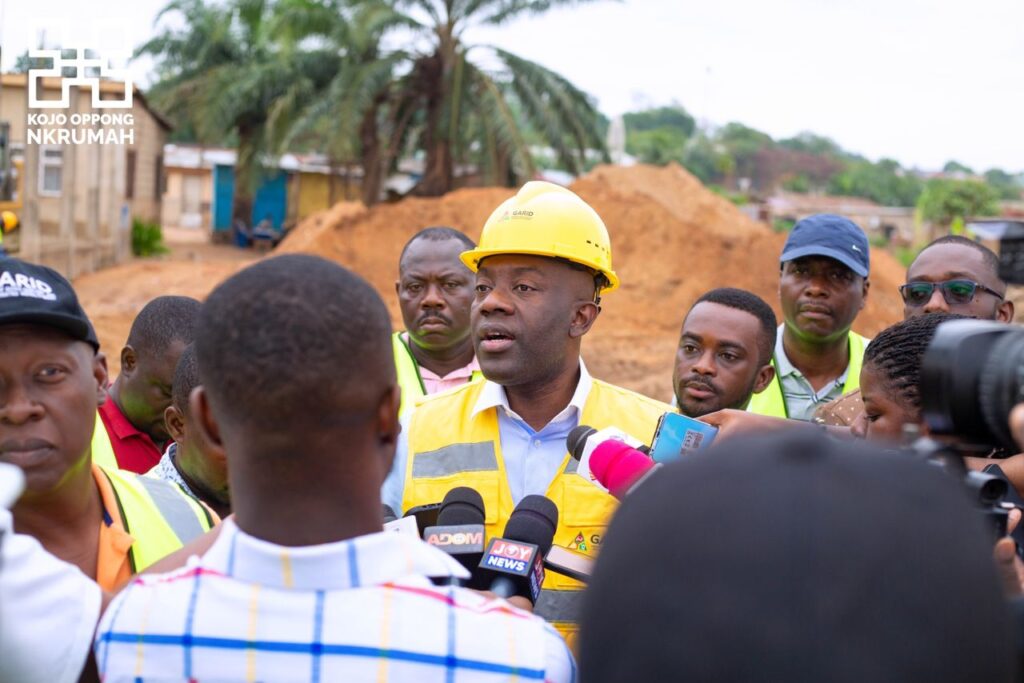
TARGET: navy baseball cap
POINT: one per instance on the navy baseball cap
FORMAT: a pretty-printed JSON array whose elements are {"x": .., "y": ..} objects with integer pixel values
[
  {"x": 826, "y": 234},
  {"x": 34, "y": 294}
]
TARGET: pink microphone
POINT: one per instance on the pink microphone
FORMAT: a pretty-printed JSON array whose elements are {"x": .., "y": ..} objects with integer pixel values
[{"x": 620, "y": 468}]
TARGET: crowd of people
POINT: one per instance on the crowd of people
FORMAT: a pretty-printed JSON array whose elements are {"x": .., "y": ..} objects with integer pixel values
[{"x": 215, "y": 512}]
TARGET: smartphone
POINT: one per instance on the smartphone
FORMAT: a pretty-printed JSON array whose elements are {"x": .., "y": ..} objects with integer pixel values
[
  {"x": 569, "y": 563},
  {"x": 677, "y": 435}
]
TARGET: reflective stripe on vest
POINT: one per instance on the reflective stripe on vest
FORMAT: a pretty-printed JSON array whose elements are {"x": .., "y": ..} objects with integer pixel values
[
  {"x": 449, "y": 446},
  {"x": 154, "y": 513},
  {"x": 102, "y": 449},
  {"x": 408, "y": 371},
  {"x": 174, "y": 508},
  {"x": 772, "y": 402}
]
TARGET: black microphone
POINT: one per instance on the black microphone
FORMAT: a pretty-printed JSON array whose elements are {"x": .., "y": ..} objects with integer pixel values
[
  {"x": 460, "y": 531},
  {"x": 514, "y": 563}
]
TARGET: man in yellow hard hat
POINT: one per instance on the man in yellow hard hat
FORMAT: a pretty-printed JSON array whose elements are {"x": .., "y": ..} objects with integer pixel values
[{"x": 543, "y": 262}]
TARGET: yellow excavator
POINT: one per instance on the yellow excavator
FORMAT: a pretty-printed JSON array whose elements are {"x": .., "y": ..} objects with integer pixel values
[{"x": 12, "y": 184}]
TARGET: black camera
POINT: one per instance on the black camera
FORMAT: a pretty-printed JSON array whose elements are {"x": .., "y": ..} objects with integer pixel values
[
  {"x": 1011, "y": 245},
  {"x": 972, "y": 376}
]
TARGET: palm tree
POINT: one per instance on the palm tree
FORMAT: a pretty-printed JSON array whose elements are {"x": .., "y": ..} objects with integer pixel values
[
  {"x": 226, "y": 75},
  {"x": 430, "y": 96}
]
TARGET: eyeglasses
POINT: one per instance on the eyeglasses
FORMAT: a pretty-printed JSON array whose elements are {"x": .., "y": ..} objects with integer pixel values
[{"x": 953, "y": 291}]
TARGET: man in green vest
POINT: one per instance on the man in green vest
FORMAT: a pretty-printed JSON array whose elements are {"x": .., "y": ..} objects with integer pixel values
[
  {"x": 822, "y": 288},
  {"x": 542, "y": 266},
  {"x": 435, "y": 290},
  {"x": 110, "y": 524}
]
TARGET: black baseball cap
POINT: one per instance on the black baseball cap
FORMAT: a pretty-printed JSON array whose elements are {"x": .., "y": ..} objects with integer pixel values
[
  {"x": 30, "y": 293},
  {"x": 836, "y": 237}
]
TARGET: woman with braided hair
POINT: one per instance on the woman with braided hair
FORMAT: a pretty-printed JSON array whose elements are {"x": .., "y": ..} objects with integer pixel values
[{"x": 890, "y": 377}]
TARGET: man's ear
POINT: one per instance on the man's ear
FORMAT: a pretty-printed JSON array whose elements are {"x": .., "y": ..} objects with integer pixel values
[
  {"x": 175, "y": 423},
  {"x": 99, "y": 373},
  {"x": 129, "y": 360},
  {"x": 388, "y": 427},
  {"x": 1004, "y": 313},
  {"x": 864, "y": 293},
  {"x": 205, "y": 421},
  {"x": 764, "y": 377},
  {"x": 583, "y": 318}
]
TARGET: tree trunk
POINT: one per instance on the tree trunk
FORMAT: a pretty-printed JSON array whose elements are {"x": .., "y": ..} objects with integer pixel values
[
  {"x": 241, "y": 205},
  {"x": 370, "y": 152},
  {"x": 438, "y": 174}
]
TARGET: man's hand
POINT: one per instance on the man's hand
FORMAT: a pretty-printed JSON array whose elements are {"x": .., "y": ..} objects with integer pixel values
[{"x": 1008, "y": 564}]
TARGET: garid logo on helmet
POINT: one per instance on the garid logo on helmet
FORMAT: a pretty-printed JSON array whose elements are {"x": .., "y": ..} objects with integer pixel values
[
  {"x": 544, "y": 219},
  {"x": 836, "y": 237},
  {"x": 38, "y": 295}
]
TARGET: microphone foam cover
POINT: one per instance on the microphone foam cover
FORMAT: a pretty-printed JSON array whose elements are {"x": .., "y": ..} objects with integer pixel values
[
  {"x": 618, "y": 466},
  {"x": 462, "y": 505},
  {"x": 533, "y": 521}
]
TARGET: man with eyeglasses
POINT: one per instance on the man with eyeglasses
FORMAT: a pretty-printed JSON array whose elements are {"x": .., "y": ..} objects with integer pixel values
[
  {"x": 951, "y": 275},
  {"x": 956, "y": 275}
]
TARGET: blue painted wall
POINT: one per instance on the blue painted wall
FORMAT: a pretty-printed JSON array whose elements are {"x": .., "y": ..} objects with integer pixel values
[{"x": 271, "y": 198}]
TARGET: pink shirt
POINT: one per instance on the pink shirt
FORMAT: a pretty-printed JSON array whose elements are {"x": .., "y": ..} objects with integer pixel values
[{"x": 456, "y": 378}]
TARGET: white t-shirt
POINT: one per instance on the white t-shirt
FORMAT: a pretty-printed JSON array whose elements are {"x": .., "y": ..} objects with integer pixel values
[{"x": 48, "y": 612}]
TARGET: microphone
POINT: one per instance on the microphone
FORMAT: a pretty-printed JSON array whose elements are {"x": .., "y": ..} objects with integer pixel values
[
  {"x": 389, "y": 514},
  {"x": 619, "y": 468},
  {"x": 514, "y": 563},
  {"x": 460, "y": 531}
]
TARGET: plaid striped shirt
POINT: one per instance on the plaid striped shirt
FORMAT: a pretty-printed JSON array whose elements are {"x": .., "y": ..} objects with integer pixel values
[{"x": 357, "y": 610}]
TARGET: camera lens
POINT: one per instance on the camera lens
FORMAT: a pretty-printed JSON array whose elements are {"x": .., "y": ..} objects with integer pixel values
[{"x": 971, "y": 378}]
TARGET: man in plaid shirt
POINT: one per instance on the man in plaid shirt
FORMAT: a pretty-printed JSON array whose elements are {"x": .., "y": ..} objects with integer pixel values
[{"x": 298, "y": 386}]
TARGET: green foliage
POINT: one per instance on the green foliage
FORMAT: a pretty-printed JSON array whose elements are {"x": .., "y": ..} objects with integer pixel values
[
  {"x": 905, "y": 255},
  {"x": 1006, "y": 185},
  {"x": 944, "y": 201},
  {"x": 878, "y": 240},
  {"x": 706, "y": 160},
  {"x": 658, "y": 146},
  {"x": 811, "y": 143},
  {"x": 956, "y": 167},
  {"x": 884, "y": 182},
  {"x": 798, "y": 183},
  {"x": 782, "y": 224},
  {"x": 675, "y": 118},
  {"x": 147, "y": 238}
]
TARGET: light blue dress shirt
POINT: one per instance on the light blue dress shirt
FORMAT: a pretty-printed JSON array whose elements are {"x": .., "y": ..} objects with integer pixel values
[{"x": 532, "y": 458}]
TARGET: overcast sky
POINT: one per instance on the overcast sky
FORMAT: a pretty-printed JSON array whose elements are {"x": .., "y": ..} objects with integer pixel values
[{"x": 921, "y": 81}]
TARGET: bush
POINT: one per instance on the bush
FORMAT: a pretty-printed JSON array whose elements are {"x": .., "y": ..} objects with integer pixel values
[{"x": 147, "y": 238}]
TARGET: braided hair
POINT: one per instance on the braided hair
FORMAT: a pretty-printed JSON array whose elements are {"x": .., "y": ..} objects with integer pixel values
[{"x": 897, "y": 353}]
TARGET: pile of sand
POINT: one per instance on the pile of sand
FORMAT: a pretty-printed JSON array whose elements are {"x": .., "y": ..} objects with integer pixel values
[{"x": 672, "y": 240}]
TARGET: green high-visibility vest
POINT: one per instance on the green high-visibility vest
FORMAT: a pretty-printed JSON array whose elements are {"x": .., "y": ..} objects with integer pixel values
[
  {"x": 408, "y": 371},
  {"x": 772, "y": 402}
]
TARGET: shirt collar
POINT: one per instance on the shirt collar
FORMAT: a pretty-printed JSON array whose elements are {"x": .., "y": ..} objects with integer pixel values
[
  {"x": 786, "y": 368},
  {"x": 493, "y": 396},
  {"x": 122, "y": 428},
  {"x": 167, "y": 470},
  {"x": 371, "y": 560},
  {"x": 458, "y": 373}
]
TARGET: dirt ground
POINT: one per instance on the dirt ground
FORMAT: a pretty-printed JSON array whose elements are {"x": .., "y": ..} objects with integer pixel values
[{"x": 672, "y": 240}]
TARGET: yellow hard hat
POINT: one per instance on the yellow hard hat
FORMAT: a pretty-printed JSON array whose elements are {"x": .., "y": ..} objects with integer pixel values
[
  {"x": 544, "y": 219},
  {"x": 10, "y": 220}
]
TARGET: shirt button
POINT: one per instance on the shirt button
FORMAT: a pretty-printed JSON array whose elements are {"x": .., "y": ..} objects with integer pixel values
[{"x": 536, "y": 442}]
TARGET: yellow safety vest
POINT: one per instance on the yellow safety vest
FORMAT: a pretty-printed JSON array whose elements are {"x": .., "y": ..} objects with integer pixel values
[
  {"x": 158, "y": 514},
  {"x": 449, "y": 448},
  {"x": 102, "y": 449},
  {"x": 408, "y": 371},
  {"x": 772, "y": 402}
]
